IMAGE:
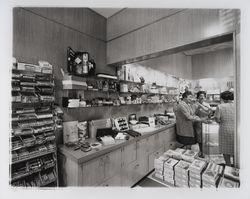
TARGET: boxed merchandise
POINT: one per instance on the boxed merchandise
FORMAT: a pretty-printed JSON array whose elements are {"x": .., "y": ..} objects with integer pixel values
[
  {"x": 195, "y": 181},
  {"x": 29, "y": 98},
  {"x": 34, "y": 165},
  {"x": 170, "y": 163},
  {"x": 27, "y": 116},
  {"x": 182, "y": 167},
  {"x": 47, "y": 161},
  {"x": 159, "y": 162},
  {"x": 169, "y": 170},
  {"x": 189, "y": 155},
  {"x": 182, "y": 174},
  {"x": 16, "y": 143},
  {"x": 50, "y": 147},
  {"x": 197, "y": 166},
  {"x": 160, "y": 176},
  {"x": 194, "y": 185},
  {"x": 19, "y": 172},
  {"x": 227, "y": 183},
  {"x": 211, "y": 174},
  {"x": 216, "y": 158},
  {"x": 23, "y": 153},
  {"x": 28, "y": 140},
  {"x": 14, "y": 155},
  {"x": 232, "y": 173},
  {"x": 28, "y": 67},
  {"x": 169, "y": 153},
  {"x": 24, "y": 131},
  {"x": 46, "y": 67},
  {"x": 178, "y": 152}
]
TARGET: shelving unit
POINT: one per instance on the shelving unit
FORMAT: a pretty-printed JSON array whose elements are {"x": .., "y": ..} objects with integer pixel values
[
  {"x": 113, "y": 94},
  {"x": 33, "y": 140}
]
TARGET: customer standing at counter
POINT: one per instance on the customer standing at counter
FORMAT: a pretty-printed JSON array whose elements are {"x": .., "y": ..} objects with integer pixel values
[
  {"x": 224, "y": 115},
  {"x": 202, "y": 109},
  {"x": 185, "y": 116}
]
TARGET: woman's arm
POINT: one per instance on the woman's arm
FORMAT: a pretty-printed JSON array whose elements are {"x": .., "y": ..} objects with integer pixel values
[
  {"x": 184, "y": 110},
  {"x": 217, "y": 115}
]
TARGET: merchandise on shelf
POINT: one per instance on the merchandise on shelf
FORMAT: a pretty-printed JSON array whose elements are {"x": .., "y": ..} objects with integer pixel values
[{"x": 33, "y": 136}]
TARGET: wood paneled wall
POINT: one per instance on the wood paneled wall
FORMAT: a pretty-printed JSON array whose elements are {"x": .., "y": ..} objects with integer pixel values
[
  {"x": 178, "y": 65},
  {"x": 130, "y": 19},
  {"x": 217, "y": 64},
  {"x": 39, "y": 37},
  {"x": 80, "y": 19},
  {"x": 179, "y": 29}
]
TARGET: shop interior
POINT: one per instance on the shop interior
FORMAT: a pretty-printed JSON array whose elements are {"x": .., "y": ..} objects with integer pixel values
[{"x": 94, "y": 91}]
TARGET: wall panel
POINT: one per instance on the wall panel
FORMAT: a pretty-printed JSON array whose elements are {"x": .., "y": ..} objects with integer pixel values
[
  {"x": 182, "y": 28},
  {"x": 130, "y": 19},
  {"x": 217, "y": 64},
  {"x": 178, "y": 65},
  {"x": 37, "y": 38},
  {"x": 81, "y": 19}
]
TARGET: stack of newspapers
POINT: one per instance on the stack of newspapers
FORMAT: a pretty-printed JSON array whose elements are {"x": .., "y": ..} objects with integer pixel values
[
  {"x": 231, "y": 178},
  {"x": 195, "y": 171},
  {"x": 190, "y": 155},
  {"x": 211, "y": 175},
  {"x": 169, "y": 170},
  {"x": 159, "y": 166},
  {"x": 182, "y": 174}
]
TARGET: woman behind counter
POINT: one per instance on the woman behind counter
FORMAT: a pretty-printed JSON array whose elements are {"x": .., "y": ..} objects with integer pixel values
[
  {"x": 202, "y": 109},
  {"x": 185, "y": 116},
  {"x": 224, "y": 115}
]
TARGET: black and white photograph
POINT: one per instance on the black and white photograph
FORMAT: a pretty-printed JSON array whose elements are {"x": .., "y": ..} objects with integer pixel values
[{"x": 126, "y": 97}]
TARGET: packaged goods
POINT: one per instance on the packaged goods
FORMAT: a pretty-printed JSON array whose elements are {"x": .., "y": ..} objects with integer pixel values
[
  {"x": 227, "y": 183},
  {"x": 232, "y": 173},
  {"x": 189, "y": 155},
  {"x": 212, "y": 174}
]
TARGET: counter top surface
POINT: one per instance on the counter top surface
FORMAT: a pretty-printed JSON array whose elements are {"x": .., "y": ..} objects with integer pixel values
[{"x": 80, "y": 156}]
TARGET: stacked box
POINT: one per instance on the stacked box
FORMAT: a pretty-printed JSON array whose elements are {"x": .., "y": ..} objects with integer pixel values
[
  {"x": 216, "y": 158},
  {"x": 232, "y": 173},
  {"x": 170, "y": 153},
  {"x": 159, "y": 166},
  {"x": 182, "y": 174},
  {"x": 178, "y": 152},
  {"x": 169, "y": 170},
  {"x": 211, "y": 175},
  {"x": 227, "y": 183},
  {"x": 195, "y": 171},
  {"x": 189, "y": 155}
]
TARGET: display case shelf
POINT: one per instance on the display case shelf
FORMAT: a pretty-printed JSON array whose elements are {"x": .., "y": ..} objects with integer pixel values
[
  {"x": 73, "y": 108},
  {"x": 30, "y": 104},
  {"x": 16, "y": 71},
  {"x": 33, "y": 156},
  {"x": 14, "y": 178},
  {"x": 37, "y": 89}
]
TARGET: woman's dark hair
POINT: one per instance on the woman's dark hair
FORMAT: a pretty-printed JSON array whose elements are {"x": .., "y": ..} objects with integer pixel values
[
  {"x": 199, "y": 93},
  {"x": 227, "y": 95},
  {"x": 186, "y": 93}
]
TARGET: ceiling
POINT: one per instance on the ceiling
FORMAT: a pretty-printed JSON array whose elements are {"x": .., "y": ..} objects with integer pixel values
[{"x": 106, "y": 12}]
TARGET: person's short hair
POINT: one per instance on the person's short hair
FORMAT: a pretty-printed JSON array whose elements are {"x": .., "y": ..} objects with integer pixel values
[
  {"x": 199, "y": 93},
  {"x": 186, "y": 93},
  {"x": 227, "y": 95}
]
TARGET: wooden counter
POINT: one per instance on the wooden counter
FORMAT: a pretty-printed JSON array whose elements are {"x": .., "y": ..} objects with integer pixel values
[{"x": 121, "y": 164}]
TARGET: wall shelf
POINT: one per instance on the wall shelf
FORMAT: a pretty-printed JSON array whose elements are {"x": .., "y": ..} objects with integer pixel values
[
  {"x": 74, "y": 108},
  {"x": 32, "y": 156},
  {"x": 32, "y": 108}
]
